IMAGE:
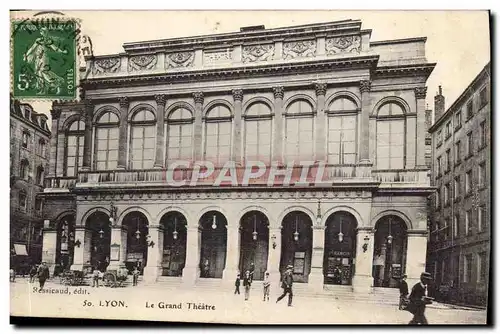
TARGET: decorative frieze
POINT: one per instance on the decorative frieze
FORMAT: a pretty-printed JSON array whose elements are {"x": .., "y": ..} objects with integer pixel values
[
  {"x": 106, "y": 65},
  {"x": 299, "y": 49},
  {"x": 343, "y": 44},
  {"x": 254, "y": 53},
  {"x": 142, "y": 62},
  {"x": 179, "y": 59},
  {"x": 215, "y": 57}
]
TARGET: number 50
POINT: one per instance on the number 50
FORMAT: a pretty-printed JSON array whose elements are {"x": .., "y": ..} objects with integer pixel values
[{"x": 23, "y": 82}]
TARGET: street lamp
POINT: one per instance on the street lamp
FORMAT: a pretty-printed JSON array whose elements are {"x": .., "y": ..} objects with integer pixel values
[
  {"x": 296, "y": 233},
  {"x": 175, "y": 234},
  {"x": 214, "y": 223},
  {"x": 137, "y": 233},
  {"x": 254, "y": 233},
  {"x": 389, "y": 237},
  {"x": 341, "y": 235}
]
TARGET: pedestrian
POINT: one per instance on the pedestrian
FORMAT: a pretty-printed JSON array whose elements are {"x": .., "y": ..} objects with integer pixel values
[
  {"x": 206, "y": 268},
  {"x": 95, "y": 277},
  {"x": 419, "y": 299},
  {"x": 246, "y": 284},
  {"x": 267, "y": 286},
  {"x": 286, "y": 285},
  {"x": 237, "y": 284},
  {"x": 33, "y": 271},
  {"x": 403, "y": 293},
  {"x": 135, "y": 276},
  {"x": 252, "y": 271},
  {"x": 43, "y": 274},
  {"x": 12, "y": 275}
]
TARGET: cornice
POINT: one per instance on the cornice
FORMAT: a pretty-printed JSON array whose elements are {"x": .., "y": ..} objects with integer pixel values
[
  {"x": 404, "y": 70},
  {"x": 235, "y": 72}
]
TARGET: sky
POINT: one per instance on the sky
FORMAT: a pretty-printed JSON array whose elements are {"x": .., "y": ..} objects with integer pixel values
[{"x": 458, "y": 41}]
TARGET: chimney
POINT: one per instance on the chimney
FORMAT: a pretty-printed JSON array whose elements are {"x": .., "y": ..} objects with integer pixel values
[
  {"x": 428, "y": 118},
  {"x": 438, "y": 104}
]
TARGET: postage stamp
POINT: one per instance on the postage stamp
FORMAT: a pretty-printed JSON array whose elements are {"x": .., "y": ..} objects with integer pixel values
[{"x": 44, "y": 63}]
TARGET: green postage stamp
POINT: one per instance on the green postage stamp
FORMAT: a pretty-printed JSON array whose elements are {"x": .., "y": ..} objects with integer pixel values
[{"x": 44, "y": 58}]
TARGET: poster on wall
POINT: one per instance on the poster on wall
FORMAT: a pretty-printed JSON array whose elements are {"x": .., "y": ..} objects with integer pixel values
[{"x": 115, "y": 252}]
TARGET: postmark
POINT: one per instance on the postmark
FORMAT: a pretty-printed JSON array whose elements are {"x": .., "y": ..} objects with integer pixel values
[{"x": 44, "y": 58}]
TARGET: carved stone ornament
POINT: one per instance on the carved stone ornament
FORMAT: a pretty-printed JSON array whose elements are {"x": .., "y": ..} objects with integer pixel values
[
  {"x": 299, "y": 49},
  {"x": 365, "y": 86},
  {"x": 106, "y": 65},
  {"x": 180, "y": 59},
  {"x": 253, "y": 53},
  {"x": 237, "y": 94},
  {"x": 343, "y": 44},
  {"x": 141, "y": 63},
  {"x": 420, "y": 92},
  {"x": 123, "y": 101},
  {"x": 198, "y": 97},
  {"x": 161, "y": 99},
  {"x": 55, "y": 113},
  {"x": 279, "y": 92},
  {"x": 320, "y": 89}
]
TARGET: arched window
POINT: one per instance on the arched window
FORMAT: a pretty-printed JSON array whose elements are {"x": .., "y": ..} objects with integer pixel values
[
  {"x": 342, "y": 126},
  {"x": 390, "y": 136},
  {"x": 106, "y": 143},
  {"x": 22, "y": 199},
  {"x": 143, "y": 140},
  {"x": 42, "y": 148},
  {"x": 258, "y": 132},
  {"x": 39, "y": 175},
  {"x": 299, "y": 131},
  {"x": 218, "y": 134},
  {"x": 74, "y": 147},
  {"x": 24, "y": 170},
  {"x": 179, "y": 129}
]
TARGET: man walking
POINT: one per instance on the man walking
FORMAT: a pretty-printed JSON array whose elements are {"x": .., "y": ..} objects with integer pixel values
[
  {"x": 286, "y": 284},
  {"x": 403, "y": 291},
  {"x": 237, "y": 284},
  {"x": 135, "y": 276},
  {"x": 43, "y": 274},
  {"x": 267, "y": 286},
  {"x": 419, "y": 299},
  {"x": 247, "y": 282},
  {"x": 33, "y": 271},
  {"x": 95, "y": 277}
]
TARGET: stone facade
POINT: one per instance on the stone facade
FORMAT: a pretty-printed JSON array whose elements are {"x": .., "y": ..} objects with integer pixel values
[
  {"x": 459, "y": 243},
  {"x": 29, "y": 159},
  {"x": 373, "y": 207}
]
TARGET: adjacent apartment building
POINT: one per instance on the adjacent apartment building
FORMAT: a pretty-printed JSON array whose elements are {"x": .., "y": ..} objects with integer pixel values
[
  {"x": 29, "y": 162},
  {"x": 460, "y": 236},
  {"x": 121, "y": 190}
]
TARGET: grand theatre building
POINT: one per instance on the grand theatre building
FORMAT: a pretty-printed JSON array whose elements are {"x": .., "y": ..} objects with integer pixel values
[{"x": 323, "y": 93}]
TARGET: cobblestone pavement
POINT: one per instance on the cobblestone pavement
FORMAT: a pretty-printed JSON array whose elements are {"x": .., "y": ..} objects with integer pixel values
[{"x": 148, "y": 303}]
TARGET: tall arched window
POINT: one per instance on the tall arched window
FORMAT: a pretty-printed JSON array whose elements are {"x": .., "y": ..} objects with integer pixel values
[
  {"x": 342, "y": 114},
  {"x": 74, "y": 147},
  {"x": 299, "y": 131},
  {"x": 179, "y": 130},
  {"x": 39, "y": 175},
  {"x": 218, "y": 134},
  {"x": 390, "y": 136},
  {"x": 22, "y": 199},
  {"x": 24, "y": 170},
  {"x": 258, "y": 132},
  {"x": 142, "y": 140},
  {"x": 106, "y": 144}
]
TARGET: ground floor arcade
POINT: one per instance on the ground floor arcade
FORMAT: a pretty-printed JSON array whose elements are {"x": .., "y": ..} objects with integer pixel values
[{"x": 345, "y": 238}]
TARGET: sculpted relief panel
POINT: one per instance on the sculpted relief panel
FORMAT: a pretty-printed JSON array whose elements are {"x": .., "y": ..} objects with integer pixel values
[
  {"x": 215, "y": 57},
  {"x": 253, "y": 53},
  {"x": 299, "y": 49},
  {"x": 343, "y": 44},
  {"x": 106, "y": 65},
  {"x": 141, "y": 63},
  {"x": 179, "y": 59}
]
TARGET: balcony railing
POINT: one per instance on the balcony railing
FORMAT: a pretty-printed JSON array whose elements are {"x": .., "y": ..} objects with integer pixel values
[
  {"x": 59, "y": 183},
  {"x": 397, "y": 178}
]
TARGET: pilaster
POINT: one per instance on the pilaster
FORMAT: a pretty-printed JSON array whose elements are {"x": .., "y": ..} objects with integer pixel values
[
  {"x": 192, "y": 269},
  {"x": 161, "y": 100},
  {"x": 122, "y": 143},
  {"x": 155, "y": 252},
  {"x": 363, "y": 280},
  {"x": 274, "y": 254},
  {"x": 415, "y": 256},
  {"x": 320, "y": 89},
  {"x": 87, "y": 141},
  {"x": 278, "y": 124},
  {"x": 55, "y": 114},
  {"x": 316, "y": 277},
  {"x": 118, "y": 239},
  {"x": 232, "y": 254},
  {"x": 420, "y": 94},
  {"x": 198, "y": 127},
  {"x": 238, "y": 98},
  {"x": 364, "y": 143},
  {"x": 49, "y": 244}
]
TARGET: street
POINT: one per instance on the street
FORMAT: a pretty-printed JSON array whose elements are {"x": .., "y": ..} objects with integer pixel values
[{"x": 161, "y": 304}]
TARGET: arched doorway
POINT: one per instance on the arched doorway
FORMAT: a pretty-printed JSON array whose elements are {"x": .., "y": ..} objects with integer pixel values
[
  {"x": 389, "y": 254},
  {"x": 174, "y": 243},
  {"x": 340, "y": 248},
  {"x": 100, "y": 231},
  {"x": 296, "y": 245},
  {"x": 65, "y": 245},
  {"x": 254, "y": 237},
  {"x": 137, "y": 235},
  {"x": 213, "y": 244}
]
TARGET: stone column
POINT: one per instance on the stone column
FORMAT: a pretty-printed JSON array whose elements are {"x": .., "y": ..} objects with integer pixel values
[
  {"x": 192, "y": 269},
  {"x": 118, "y": 240},
  {"x": 87, "y": 141},
  {"x": 81, "y": 255},
  {"x": 363, "y": 280},
  {"x": 278, "y": 124},
  {"x": 420, "y": 93},
  {"x": 155, "y": 252},
  {"x": 316, "y": 277},
  {"x": 49, "y": 246},
  {"x": 237, "y": 140},
  {"x": 122, "y": 143},
  {"x": 198, "y": 126},
  {"x": 161, "y": 100},
  {"x": 274, "y": 255},
  {"x": 55, "y": 114},
  {"x": 415, "y": 256},
  {"x": 232, "y": 254},
  {"x": 320, "y": 122},
  {"x": 364, "y": 138}
]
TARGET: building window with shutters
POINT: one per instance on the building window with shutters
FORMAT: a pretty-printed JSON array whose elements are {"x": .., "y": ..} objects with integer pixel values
[
  {"x": 391, "y": 128},
  {"x": 106, "y": 142},
  {"x": 342, "y": 134},
  {"x": 179, "y": 130},
  {"x": 142, "y": 139},
  {"x": 299, "y": 131},
  {"x": 258, "y": 132}
]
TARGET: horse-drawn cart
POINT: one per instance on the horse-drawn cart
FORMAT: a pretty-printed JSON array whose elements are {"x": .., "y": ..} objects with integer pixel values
[
  {"x": 76, "y": 275},
  {"x": 114, "y": 278}
]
